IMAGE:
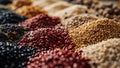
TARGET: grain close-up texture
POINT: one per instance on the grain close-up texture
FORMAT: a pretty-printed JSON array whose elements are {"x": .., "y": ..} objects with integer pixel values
[{"x": 59, "y": 33}]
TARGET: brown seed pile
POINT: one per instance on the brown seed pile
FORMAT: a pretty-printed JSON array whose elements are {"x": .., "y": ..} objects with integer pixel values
[
  {"x": 107, "y": 10},
  {"x": 58, "y": 58},
  {"x": 95, "y": 31},
  {"x": 41, "y": 21},
  {"x": 30, "y": 11},
  {"x": 47, "y": 38},
  {"x": 105, "y": 54},
  {"x": 19, "y": 3},
  {"x": 76, "y": 21},
  {"x": 88, "y": 3}
]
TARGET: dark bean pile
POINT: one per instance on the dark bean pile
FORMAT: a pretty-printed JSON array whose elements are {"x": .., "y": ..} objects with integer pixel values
[
  {"x": 5, "y": 2},
  {"x": 10, "y": 17},
  {"x": 47, "y": 38},
  {"x": 41, "y": 21},
  {"x": 11, "y": 33},
  {"x": 13, "y": 55},
  {"x": 58, "y": 58}
]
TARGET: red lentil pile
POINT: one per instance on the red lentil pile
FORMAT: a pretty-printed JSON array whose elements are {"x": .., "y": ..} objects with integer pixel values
[
  {"x": 58, "y": 59},
  {"x": 30, "y": 11},
  {"x": 41, "y": 21},
  {"x": 47, "y": 38}
]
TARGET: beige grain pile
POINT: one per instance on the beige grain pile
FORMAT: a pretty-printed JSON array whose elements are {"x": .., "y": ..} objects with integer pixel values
[
  {"x": 105, "y": 54},
  {"x": 57, "y": 7},
  {"x": 43, "y": 3},
  {"x": 95, "y": 31},
  {"x": 76, "y": 21}
]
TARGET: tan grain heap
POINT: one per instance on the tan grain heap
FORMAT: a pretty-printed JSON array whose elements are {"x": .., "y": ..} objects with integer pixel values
[
  {"x": 43, "y": 3},
  {"x": 30, "y": 11},
  {"x": 77, "y": 20},
  {"x": 95, "y": 31},
  {"x": 19, "y": 3},
  {"x": 57, "y": 7},
  {"x": 105, "y": 54},
  {"x": 71, "y": 11}
]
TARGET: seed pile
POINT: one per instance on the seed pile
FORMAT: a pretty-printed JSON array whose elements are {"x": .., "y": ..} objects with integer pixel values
[
  {"x": 105, "y": 54},
  {"x": 5, "y": 2},
  {"x": 107, "y": 10},
  {"x": 19, "y": 3},
  {"x": 13, "y": 55},
  {"x": 30, "y": 11},
  {"x": 58, "y": 59},
  {"x": 41, "y": 21},
  {"x": 95, "y": 31},
  {"x": 47, "y": 38},
  {"x": 88, "y": 3},
  {"x": 10, "y": 17},
  {"x": 71, "y": 11},
  {"x": 76, "y": 21},
  {"x": 3, "y": 9},
  {"x": 11, "y": 33}
]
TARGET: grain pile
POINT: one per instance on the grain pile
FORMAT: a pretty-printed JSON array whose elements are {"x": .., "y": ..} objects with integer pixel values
[
  {"x": 71, "y": 11},
  {"x": 48, "y": 38},
  {"x": 57, "y": 7},
  {"x": 58, "y": 58},
  {"x": 41, "y": 21},
  {"x": 19, "y": 3},
  {"x": 105, "y": 54},
  {"x": 30, "y": 11},
  {"x": 76, "y": 21},
  {"x": 95, "y": 31}
]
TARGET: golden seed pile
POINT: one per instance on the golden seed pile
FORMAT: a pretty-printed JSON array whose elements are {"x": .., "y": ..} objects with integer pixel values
[
  {"x": 105, "y": 54},
  {"x": 95, "y": 31},
  {"x": 30, "y": 11},
  {"x": 19, "y": 3}
]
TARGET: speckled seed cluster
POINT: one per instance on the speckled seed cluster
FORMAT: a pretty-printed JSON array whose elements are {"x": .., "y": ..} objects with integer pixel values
[
  {"x": 48, "y": 38},
  {"x": 76, "y": 21},
  {"x": 105, "y": 54},
  {"x": 58, "y": 59},
  {"x": 95, "y": 31}
]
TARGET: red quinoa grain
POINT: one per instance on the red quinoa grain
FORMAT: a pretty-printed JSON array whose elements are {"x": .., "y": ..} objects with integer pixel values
[
  {"x": 58, "y": 59},
  {"x": 41, "y": 21},
  {"x": 47, "y": 38}
]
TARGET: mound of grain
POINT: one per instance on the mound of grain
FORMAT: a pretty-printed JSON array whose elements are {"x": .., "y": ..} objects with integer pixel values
[
  {"x": 30, "y": 11},
  {"x": 43, "y": 3},
  {"x": 57, "y": 7},
  {"x": 71, "y": 11},
  {"x": 76, "y": 21},
  {"x": 105, "y": 54},
  {"x": 95, "y": 31},
  {"x": 19, "y": 3}
]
